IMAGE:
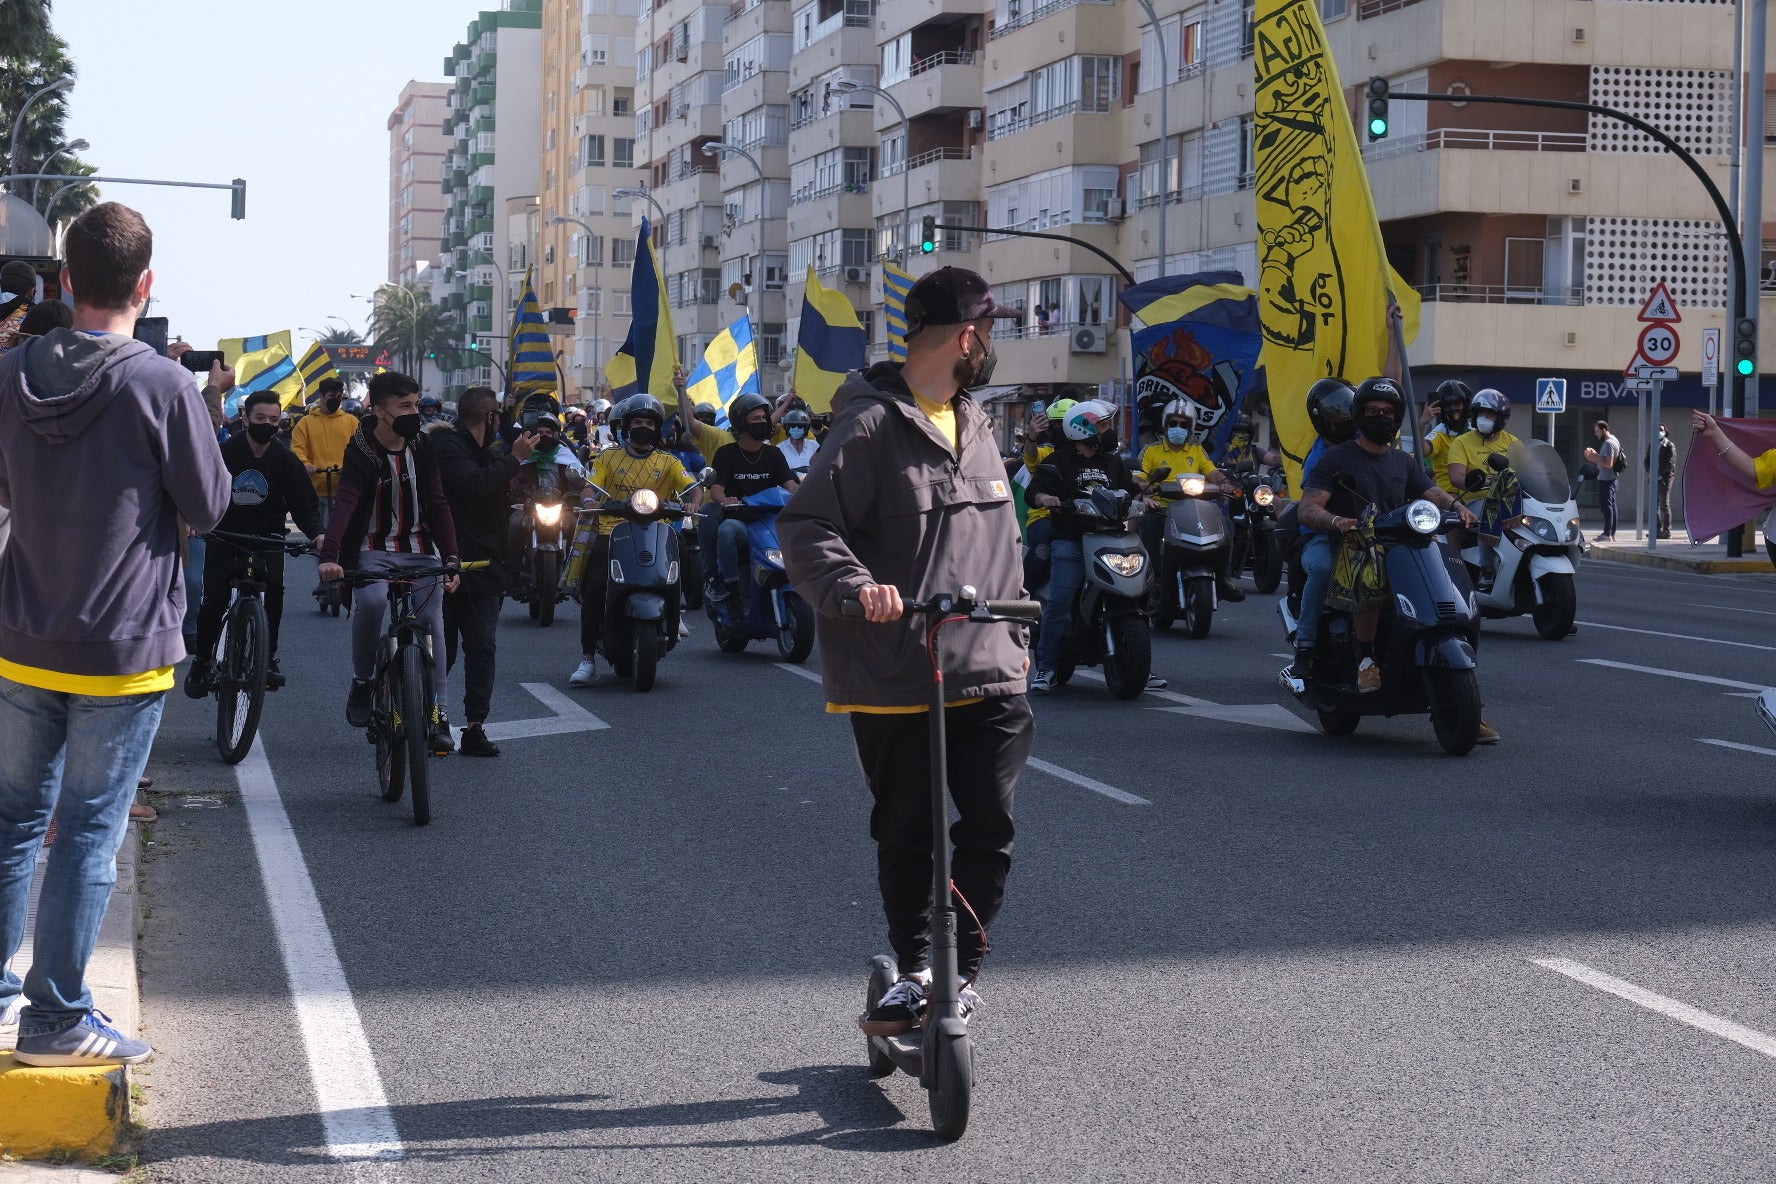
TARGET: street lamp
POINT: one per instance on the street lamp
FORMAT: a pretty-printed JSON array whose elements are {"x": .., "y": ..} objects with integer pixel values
[
  {"x": 723, "y": 149},
  {"x": 18, "y": 124},
  {"x": 70, "y": 146},
  {"x": 845, "y": 86},
  {"x": 629, "y": 194},
  {"x": 1165, "y": 143},
  {"x": 598, "y": 267}
]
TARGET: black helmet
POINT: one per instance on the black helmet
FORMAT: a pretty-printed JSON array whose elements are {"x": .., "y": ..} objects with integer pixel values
[
  {"x": 1381, "y": 389},
  {"x": 797, "y": 419},
  {"x": 743, "y": 406},
  {"x": 705, "y": 413},
  {"x": 1454, "y": 390},
  {"x": 430, "y": 403},
  {"x": 635, "y": 405},
  {"x": 1331, "y": 407},
  {"x": 1242, "y": 426},
  {"x": 1493, "y": 402}
]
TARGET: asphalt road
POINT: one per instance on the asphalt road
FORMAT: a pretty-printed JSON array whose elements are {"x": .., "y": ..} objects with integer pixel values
[{"x": 637, "y": 953}]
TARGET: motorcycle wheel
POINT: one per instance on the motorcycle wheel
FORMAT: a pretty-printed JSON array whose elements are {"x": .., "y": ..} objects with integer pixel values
[
  {"x": 1455, "y": 709},
  {"x": 1126, "y": 670},
  {"x": 1199, "y": 607},
  {"x": 1338, "y": 723},
  {"x": 1267, "y": 564},
  {"x": 690, "y": 571},
  {"x": 726, "y": 642},
  {"x": 548, "y": 583},
  {"x": 647, "y": 655},
  {"x": 795, "y": 641},
  {"x": 1560, "y": 604}
]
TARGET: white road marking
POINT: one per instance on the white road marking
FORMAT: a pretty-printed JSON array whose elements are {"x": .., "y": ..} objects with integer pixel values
[
  {"x": 1743, "y": 645},
  {"x": 1168, "y": 696},
  {"x": 1753, "y": 687},
  {"x": 569, "y": 717},
  {"x": 354, "y": 1109},
  {"x": 800, "y": 671},
  {"x": 1084, "y": 782},
  {"x": 1683, "y": 1013},
  {"x": 1260, "y": 715},
  {"x": 1728, "y": 608},
  {"x": 1733, "y": 744}
]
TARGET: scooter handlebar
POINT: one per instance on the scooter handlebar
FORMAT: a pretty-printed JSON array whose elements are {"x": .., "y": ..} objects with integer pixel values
[{"x": 1028, "y": 611}]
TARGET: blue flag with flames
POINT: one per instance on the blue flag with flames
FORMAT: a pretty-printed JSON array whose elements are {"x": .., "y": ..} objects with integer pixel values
[{"x": 1198, "y": 339}]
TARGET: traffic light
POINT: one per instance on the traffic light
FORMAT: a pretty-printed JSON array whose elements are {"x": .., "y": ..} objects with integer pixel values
[
  {"x": 475, "y": 346},
  {"x": 1378, "y": 108},
  {"x": 927, "y": 234},
  {"x": 1745, "y": 348},
  {"x": 237, "y": 207}
]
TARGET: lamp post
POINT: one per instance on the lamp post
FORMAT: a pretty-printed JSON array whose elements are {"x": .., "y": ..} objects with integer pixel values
[
  {"x": 845, "y": 86},
  {"x": 18, "y": 123},
  {"x": 598, "y": 269},
  {"x": 70, "y": 146},
  {"x": 1165, "y": 142},
  {"x": 630, "y": 193}
]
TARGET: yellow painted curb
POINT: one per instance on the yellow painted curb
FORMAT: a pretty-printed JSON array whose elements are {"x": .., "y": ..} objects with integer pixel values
[
  {"x": 54, "y": 1112},
  {"x": 1673, "y": 559}
]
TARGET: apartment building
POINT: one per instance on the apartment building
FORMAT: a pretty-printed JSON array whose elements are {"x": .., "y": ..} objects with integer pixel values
[
  {"x": 416, "y": 163},
  {"x": 492, "y": 124},
  {"x": 586, "y": 240}
]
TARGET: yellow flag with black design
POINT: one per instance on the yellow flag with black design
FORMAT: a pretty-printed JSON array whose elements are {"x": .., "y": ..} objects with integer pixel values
[{"x": 1324, "y": 281}]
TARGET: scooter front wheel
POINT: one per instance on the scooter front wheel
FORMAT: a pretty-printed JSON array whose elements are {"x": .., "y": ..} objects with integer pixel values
[
  {"x": 1560, "y": 604},
  {"x": 647, "y": 655},
  {"x": 1199, "y": 606},
  {"x": 1338, "y": 723},
  {"x": 952, "y": 1084},
  {"x": 1455, "y": 709},
  {"x": 880, "y": 980},
  {"x": 1129, "y": 660},
  {"x": 1267, "y": 564}
]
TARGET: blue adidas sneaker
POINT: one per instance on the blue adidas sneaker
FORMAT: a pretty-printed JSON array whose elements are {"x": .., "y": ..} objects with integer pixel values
[{"x": 93, "y": 1041}]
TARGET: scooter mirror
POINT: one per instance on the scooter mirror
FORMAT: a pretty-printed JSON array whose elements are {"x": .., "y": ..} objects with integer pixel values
[
  {"x": 1159, "y": 474},
  {"x": 1475, "y": 480},
  {"x": 1498, "y": 462},
  {"x": 707, "y": 474}
]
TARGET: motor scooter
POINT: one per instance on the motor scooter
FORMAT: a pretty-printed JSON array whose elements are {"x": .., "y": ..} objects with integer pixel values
[
  {"x": 1196, "y": 543},
  {"x": 1255, "y": 545},
  {"x": 1108, "y": 623},
  {"x": 1530, "y": 568},
  {"x": 771, "y": 609},
  {"x": 539, "y": 568},
  {"x": 641, "y": 609}
]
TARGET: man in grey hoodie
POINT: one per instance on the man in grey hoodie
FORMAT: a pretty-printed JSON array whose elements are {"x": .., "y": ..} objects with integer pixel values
[{"x": 104, "y": 445}]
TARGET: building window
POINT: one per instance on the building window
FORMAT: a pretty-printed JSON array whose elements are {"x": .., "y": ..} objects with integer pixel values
[
  {"x": 855, "y": 249},
  {"x": 622, "y": 153},
  {"x": 1331, "y": 10},
  {"x": 770, "y": 343},
  {"x": 592, "y": 151}
]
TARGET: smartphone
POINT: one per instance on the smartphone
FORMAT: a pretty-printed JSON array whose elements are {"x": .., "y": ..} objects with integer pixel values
[
  {"x": 153, "y": 330},
  {"x": 199, "y": 361}
]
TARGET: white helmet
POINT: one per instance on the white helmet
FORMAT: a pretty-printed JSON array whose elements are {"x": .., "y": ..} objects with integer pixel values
[
  {"x": 1183, "y": 407},
  {"x": 1088, "y": 420},
  {"x": 601, "y": 406}
]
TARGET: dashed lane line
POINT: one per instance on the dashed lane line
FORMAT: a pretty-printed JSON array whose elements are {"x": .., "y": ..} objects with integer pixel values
[{"x": 1683, "y": 1013}]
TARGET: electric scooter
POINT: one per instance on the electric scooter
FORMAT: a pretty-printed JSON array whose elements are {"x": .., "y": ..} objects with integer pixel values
[
  {"x": 939, "y": 1053},
  {"x": 1530, "y": 568},
  {"x": 773, "y": 609}
]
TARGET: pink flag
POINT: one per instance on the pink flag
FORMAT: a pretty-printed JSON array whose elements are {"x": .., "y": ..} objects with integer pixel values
[{"x": 1717, "y": 496}]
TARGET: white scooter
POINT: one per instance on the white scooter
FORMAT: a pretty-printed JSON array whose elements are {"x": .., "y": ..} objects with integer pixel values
[{"x": 1531, "y": 567}]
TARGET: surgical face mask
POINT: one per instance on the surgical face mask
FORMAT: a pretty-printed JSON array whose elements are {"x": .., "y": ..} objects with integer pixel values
[
  {"x": 759, "y": 429},
  {"x": 262, "y": 433},
  {"x": 1484, "y": 424},
  {"x": 797, "y": 433},
  {"x": 642, "y": 436},
  {"x": 1177, "y": 437},
  {"x": 406, "y": 426},
  {"x": 1379, "y": 429}
]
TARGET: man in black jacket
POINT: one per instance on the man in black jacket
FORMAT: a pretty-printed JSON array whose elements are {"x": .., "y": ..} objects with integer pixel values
[
  {"x": 268, "y": 483},
  {"x": 477, "y": 481}
]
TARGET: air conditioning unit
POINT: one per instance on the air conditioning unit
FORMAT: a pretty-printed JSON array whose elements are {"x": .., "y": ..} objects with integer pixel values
[
  {"x": 1113, "y": 209},
  {"x": 709, "y": 240},
  {"x": 977, "y": 119},
  {"x": 1578, "y": 36},
  {"x": 683, "y": 111},
  {"x": 857, "y": 275},
  {"x": 1090, "y": 339},
  {"x": 1575, "y": 185}
]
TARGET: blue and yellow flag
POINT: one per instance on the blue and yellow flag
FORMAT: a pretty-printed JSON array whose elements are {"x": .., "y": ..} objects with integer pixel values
[
  {"x": 895, "y": 286},
  {"x": 830, "y": 344},
  {"x": 316, "y": 367},
  {"x": 1198, "y": 341},
  {"x": 263, "y": 363},
  {"x": 1324, "y": 279},
  {"x": 729, "y": 368},
  {"x": 648, "y": 356},
  {"x": 532, "y": 358}
]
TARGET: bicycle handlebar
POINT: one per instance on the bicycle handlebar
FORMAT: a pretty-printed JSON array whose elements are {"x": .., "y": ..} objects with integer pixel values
[
  {"x": 943, "y": 604},
  {"x": 412, "y": 575},
  {"x": 260, "y": 542}
]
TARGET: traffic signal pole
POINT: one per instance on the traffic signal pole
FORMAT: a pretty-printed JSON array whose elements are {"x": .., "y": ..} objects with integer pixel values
[{"x": 1059, "y": 238}]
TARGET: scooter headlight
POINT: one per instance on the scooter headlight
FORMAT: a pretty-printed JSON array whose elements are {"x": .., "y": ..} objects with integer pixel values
[
  {"x": 644, "y": 501},
  {"x": 1573, "y": 532},
  {"x": 1544, "y": 530},
  {"x": 773, "y": 556},
  {"x": 1263, "y": 495},
  {"x": 1192, "y": 486},
  {"x": 1125, "y": 564},
  {"x": 547, "y": 513},
  {"x": 1423, "y": 517}
]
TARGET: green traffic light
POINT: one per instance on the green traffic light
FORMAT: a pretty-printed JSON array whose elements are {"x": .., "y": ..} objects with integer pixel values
[
  {"x": 927, "y": 247},
  {"x": 1378, "y": 128},
  {"x": 1747, "y": 367}
]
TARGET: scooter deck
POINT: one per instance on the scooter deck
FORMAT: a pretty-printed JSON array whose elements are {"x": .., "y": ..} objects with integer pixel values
[{"x": 906, "y": 1050}]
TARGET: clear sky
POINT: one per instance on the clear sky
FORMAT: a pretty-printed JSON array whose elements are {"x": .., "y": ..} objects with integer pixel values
[{"x": 293, "y": 97}]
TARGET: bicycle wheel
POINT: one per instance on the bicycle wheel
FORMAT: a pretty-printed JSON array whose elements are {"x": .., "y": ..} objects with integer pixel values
[
  {"x": 416, "y": 720},
  {"x": 240, "y": 679},
  {"x": 391, "y": 755}
]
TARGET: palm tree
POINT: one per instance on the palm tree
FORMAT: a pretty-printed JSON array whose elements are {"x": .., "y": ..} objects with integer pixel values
[
  {"x": 411, "y": 327},
  {"x": 23, "y": 31},
  {"x": 341, "y": 335}
]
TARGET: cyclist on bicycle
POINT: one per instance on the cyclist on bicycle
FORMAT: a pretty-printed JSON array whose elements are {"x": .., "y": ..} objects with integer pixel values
[
  {"x": 268, "y": 483},
  {"x": 391, "y": 514}
]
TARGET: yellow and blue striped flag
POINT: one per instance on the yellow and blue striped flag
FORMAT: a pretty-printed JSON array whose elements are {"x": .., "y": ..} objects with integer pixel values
[
  {"x": 895, "y": 286},
  {"x": 729, "y": 368},
  {"x": 532, "y": 366},
  {"x": 263, "y": 363},
  {"x": 648, "y": 356},
  {"x": 317, "y": 366},
  {"x": 829, "y": 345}
]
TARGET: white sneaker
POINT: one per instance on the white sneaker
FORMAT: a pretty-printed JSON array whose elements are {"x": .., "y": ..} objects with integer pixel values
[
  {"x": 9, "y": 1015},
  {"x": 684, "y": 630},
  {"x": 968, "y": 997},
  {"x": 1043, "y": 682},
  {"x": 585, "y": 674}
]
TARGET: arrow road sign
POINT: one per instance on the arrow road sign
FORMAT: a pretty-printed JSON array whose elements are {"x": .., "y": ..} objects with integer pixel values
[
  {"x": 1660, "y": 306},
  {"x": 1551, "y": 395}
]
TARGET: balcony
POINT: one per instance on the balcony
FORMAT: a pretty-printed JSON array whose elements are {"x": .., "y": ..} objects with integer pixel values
[
  {"x": 760, "y": 16},
  {"x": 946, "y": 81},
  {"x": 903, "y": 16},
  {"x": 759, "y": 89},
  {"x": 942, "y": 174},
  {"x": 1027, "y": 355},
  {"x": 852, "y": 129},
  {"x": 1689, "y": 36},
  {"x": 827, "y": 209}
]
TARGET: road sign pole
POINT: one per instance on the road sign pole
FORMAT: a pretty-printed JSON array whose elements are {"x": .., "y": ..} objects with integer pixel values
[
  {"x": 1640, "y": 409},
  {"x": 1551, "y": 418},
  {"x": 1648, "y": 479}
]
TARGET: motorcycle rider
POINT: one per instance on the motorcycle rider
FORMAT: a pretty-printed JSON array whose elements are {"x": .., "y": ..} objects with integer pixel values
[
  {"x": 551, "y": 467},
  {"x": 1487, "y": 412},
  {"x": 1449, "y": 412},
  {"x": 747, "y": 466},
  {"x": 598, "y": 430},
  {"x": 1383, "y": 477},
  {"x": 1176, "y": 448},
  {"x": 268, "y": 483},
  {"x": 1039, "y": 445},
  {"x": 639, "y": 464},
  {"x": 431, "y": 412},
  {"x": 574, "y": 425},
  {"x": 1086, "y": 458},
  {"x": 799, "y": 448}
]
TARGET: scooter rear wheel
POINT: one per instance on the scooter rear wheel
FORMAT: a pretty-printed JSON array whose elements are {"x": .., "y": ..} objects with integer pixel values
[
  {"x": 952, "y": 1084},
  {"x": 881, "y": 978}
]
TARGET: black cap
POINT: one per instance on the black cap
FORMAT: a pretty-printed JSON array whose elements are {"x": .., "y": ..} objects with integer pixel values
[
  {"x": 19, "y": 278},
  {"x": 952, "y": 296}
]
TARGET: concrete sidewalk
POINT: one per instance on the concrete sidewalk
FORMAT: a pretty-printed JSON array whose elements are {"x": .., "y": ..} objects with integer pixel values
[
  {"x": 1677, "y": 553},
  {"x": 79, "y": 1113}
]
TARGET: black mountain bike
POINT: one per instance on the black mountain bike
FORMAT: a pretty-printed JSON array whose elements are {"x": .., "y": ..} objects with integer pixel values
[
  {"x": 243, "y": 652},
  {"x": 402, "y": 700}
]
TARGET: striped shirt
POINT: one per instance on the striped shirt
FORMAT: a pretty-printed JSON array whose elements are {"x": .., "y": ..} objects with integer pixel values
[
  {"x": 395, "y": 522},
  {"x": 620, "y": 473}
]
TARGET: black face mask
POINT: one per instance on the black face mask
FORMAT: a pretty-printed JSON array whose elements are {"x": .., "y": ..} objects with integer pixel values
[
  {"x": 1106, "y": 442},
  {"x": 759, "y": 431},
  {"x": 262, "y": 433},
  {"x": 331, "y": 402},
  {"x": 971, "y": 374},
  {"x": 1379, "y": 429},
  {"x": 642, "y": 436},
  {"x": 406, "y": 426}
]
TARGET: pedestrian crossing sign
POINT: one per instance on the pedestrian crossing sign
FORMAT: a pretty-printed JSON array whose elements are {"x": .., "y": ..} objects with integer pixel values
[{"x": 1551, "y": 395}]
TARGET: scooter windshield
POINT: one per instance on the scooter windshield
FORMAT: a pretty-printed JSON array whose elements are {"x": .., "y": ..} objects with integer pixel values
[
  {"x": 774, "y": 498},
  {"x": 1541, "y": 473}
]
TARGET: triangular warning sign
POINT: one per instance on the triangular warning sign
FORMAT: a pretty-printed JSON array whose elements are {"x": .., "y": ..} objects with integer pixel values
[{"x": 1660, "y": 306}]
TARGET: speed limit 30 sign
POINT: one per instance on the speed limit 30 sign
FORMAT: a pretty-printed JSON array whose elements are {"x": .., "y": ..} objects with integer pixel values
[{"x": 1659, "y": 345}]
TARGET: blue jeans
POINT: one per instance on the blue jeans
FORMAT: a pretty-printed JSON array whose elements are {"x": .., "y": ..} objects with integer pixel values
[
  {"x": 77, "y": 757},
  {"x": 372, "y": 605},
  {"x": 196, "y": 549},
  {"x": 1038, "y": 547},
  {"x": 1606, "y": 502},
  {"x": 730, "y": 540},
  {"x": 1066, "y": 575},
  {"x": 1316, "y": 561}
]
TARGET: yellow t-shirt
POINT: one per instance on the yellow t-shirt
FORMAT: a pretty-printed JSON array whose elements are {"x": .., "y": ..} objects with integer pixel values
[
  {"x": 620, "y": 473},
  {"x": 1766, "y": 469},
  {"x": 1440, "y": 443},
  {"x": 1471, "y": 449},
  {"x": 942, "y": 416},
  {"x": 1037, "y": 513},
  {"x": 99, "y": 685},
  {"x": 1189, "y": 459}
]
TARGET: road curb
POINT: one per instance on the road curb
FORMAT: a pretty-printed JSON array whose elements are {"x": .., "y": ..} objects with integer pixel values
[
  {"x": 1676, "y": 560},
  {"x": 81, "y": 1113}
]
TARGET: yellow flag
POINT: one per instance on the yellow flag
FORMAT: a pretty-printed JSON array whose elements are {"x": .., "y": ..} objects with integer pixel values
[{"x": 1323, "y": 276}]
